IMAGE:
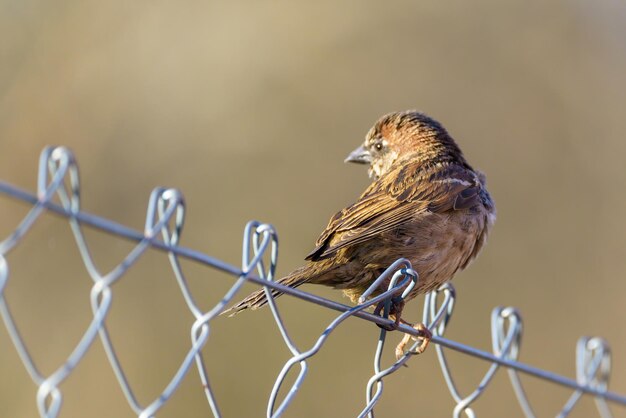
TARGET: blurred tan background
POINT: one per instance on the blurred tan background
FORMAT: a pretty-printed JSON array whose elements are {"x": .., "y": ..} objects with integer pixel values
[{"x": 249, "y": 108}]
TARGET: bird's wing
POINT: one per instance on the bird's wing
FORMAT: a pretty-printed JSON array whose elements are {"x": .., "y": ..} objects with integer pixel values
[{"x": 395, "y": 198}]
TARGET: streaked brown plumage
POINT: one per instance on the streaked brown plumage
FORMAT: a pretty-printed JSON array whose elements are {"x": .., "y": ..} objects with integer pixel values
[{"x": 426, "y": 204}]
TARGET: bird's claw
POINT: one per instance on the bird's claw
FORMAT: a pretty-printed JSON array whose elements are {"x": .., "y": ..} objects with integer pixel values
[
  {"x": 397, "y": 304},
  {"x": 425, "y": 336}
]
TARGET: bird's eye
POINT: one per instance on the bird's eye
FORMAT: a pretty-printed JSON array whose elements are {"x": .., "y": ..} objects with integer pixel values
[{"x": 378, "y": 146}]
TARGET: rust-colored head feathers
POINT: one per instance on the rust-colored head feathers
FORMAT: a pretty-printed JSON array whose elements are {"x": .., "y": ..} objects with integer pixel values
[{"x": 409, "y": 135}]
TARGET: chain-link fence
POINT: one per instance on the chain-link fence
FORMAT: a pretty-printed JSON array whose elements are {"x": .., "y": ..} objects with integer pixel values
[{"x": 58, "y": 191}]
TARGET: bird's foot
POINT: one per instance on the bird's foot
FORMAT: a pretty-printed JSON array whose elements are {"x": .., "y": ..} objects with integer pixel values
[
  {"x": 425, "y": 336},
  {"x": 397, "y": 304}
]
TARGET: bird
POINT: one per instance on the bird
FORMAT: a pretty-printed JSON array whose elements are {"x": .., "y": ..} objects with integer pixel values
[{"x": 425, "y": 203}]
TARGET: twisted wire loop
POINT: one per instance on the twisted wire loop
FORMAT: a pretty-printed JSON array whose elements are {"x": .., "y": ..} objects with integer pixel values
[
  {"x": 300, "y": 357},
  {"x": 402, "y": 267},
  {"x": 593, "y": 368},
  {"x": 58, "y": 191}
]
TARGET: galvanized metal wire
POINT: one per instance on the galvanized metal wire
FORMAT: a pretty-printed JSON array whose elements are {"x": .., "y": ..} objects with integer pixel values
[{"x": 58, "y": 177}]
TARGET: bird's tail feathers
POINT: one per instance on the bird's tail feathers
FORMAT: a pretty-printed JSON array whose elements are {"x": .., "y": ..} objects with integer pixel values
[{"x": 259, "y": 298}]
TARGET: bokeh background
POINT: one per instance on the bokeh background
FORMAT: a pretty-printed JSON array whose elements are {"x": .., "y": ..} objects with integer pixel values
[{"x": 249, "y": 108}]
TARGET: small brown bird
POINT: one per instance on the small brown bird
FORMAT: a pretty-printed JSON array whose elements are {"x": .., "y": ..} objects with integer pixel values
[{"x": 426, "y": 204}]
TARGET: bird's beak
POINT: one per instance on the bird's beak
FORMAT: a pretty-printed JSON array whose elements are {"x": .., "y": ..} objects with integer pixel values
[{"x": 360, "y": 156}]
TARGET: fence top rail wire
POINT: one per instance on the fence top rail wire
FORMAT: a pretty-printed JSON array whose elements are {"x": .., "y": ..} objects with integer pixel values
[{"x": 505, "y": 349}]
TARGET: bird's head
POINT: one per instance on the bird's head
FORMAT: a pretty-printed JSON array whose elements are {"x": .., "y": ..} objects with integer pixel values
[{"x": 401, "y": 136}]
